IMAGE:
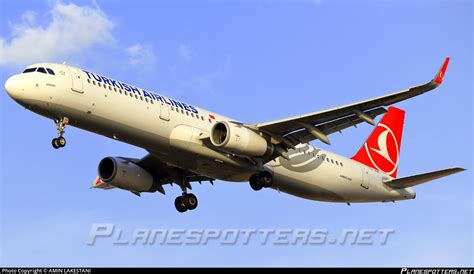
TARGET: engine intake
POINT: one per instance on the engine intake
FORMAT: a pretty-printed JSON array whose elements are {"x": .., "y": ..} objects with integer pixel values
[
  {"x": 240, "y": 140},
  {"x": 126, "y": 175}
]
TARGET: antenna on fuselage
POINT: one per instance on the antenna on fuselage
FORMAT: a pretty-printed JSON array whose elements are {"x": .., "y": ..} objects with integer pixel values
[{"x": 64, "y": 62}]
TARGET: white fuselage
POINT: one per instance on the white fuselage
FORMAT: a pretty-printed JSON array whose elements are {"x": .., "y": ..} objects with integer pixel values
[{"x": 173, "y": 132}]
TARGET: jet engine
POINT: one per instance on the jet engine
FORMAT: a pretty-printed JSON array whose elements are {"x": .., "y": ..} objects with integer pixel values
[
  {"x": 124, "y": 174},
  {"x": 238, "y": 139}
]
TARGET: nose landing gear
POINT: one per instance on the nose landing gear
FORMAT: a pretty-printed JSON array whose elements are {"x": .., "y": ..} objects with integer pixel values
[
  {"x": 60, "y": 125},
  {"x": 58, "y": 142}
]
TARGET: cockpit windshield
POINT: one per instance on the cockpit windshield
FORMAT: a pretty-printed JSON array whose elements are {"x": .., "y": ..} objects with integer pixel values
[
  {"x": 40, "y": 69},
  {"x": 29, "y": 70}
]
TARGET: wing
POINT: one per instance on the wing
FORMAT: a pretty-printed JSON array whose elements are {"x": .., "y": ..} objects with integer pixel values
[
  {"x": 165, "y": 174},
  {"x": 162, "y": 174},
  {"x": 318, "y": 125}
]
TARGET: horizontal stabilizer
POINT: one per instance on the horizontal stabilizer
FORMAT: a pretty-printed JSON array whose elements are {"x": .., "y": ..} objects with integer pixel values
[{"x": 422, "y": 178}]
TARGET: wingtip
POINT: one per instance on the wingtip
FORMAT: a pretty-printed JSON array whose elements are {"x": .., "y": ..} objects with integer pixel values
[{"x": 442, "y": 71}]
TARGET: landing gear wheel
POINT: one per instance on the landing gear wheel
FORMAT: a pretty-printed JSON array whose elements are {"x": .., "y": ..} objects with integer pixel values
[
  {"x": 265, "y": 179},
  {"x": 61, "y": 141},
  {"x": 190, "y": 201},
  {"x": 179, "y": 204},
  {"x": 60, "y": 126},
  {"x": 254, "y": 183},
  {"x": 55, "y": 143},
  {"x": 255, "y": 186}
]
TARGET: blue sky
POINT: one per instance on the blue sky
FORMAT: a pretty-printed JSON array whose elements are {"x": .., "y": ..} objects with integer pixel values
[{"x": 254, "y": 61}]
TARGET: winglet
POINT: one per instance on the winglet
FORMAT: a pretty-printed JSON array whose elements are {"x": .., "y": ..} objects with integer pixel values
[{"x": 438, "y": 79}]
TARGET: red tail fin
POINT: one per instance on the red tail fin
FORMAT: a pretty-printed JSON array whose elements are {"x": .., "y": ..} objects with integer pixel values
[{"x": 382, "y": 149}]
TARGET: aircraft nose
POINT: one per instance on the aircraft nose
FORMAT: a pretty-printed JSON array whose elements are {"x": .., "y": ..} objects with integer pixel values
[{"x": 12, "y": 86}]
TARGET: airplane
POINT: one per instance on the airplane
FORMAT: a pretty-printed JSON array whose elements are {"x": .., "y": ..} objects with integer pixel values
[{"x": 188, "y": 144}]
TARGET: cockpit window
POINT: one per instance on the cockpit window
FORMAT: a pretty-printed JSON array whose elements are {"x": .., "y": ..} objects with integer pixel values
[
  {"x": 42, "y": 70},
  {"x": 29, "y": 70},
  {"x": 50, "y": 71}
]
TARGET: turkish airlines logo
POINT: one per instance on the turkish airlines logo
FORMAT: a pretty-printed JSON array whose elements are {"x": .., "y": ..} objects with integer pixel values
[
  {"x": 440, "y": 75},
  {"x": 383, "y": 150},
  {"x": 439, "y": 79}
]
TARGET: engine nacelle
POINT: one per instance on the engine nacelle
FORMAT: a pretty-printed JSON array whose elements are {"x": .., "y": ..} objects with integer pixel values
[
  {"x": 240, "y": 140},
  {"x": 126, "y": 175}
]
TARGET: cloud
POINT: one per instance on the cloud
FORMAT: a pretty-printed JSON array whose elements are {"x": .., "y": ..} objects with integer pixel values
[
  {"x": 71, "y": 29},
  {"x": 29, "y": 17},
  {"x": 141, "y": 56},
  {"x": 184, "y": 51},
  {"x": 207, "y": 81}
]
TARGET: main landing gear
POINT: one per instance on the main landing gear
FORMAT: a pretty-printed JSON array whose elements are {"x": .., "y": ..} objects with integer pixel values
[
  {"x": 261, "y": 180},
  {"x": 185, "y": 202},
  {"x": 60, "y": 125}
]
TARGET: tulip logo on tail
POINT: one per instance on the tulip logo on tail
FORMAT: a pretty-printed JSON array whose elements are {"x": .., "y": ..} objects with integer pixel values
[
  {"x": 386, "y": 140},
  {"x": 382, "y": 149},
  {"x": 439, "y": 76}
]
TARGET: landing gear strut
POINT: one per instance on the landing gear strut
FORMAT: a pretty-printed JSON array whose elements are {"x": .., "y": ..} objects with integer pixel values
[
  {"x": 185, "y": 202},
  {"x": 261, "y": 180},
  {"x": 60, "y": 125}
]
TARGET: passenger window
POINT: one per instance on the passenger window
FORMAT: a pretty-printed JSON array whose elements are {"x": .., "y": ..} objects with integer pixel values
[
  {"x": 146, "y": 99},
  {"x": 136, "y": 96},
  {"x": 42, "y": 70},
  {"x": 29, "y": 70},
  {"x": 120, "y": 91},
  {"x": 182, "y": 111},
  {"x": 202, "y": 117},
  {"x": 342, "y": 164},
  {"x": 99, "y": 84},
  {"x": 93, "y": 82},
  {"x": 110, "y": 88},
  {"x": 141, "y": 98},
  {"x": 152, "y": 102},
  {"x": 332, "y": 161},
  {"x": 50, "y": 71},
  {"x": 327, "y": 159},
  {"x": 89, "y": 81},
  {"x": 131, "y": 95}
]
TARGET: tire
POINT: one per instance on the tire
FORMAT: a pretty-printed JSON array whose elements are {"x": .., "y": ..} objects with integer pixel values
[
  {"x": 190, "y": 201},
  {"x": 265, "y": 179},
  {"x": 255, "y": 185},
  {"x": 55, "y": 144},
  {"x": 61, "y": 141},
  {"x": 179, "y": 204}
]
